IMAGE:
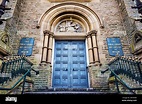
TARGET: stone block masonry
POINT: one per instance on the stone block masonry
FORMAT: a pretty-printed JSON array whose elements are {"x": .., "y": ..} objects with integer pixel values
[{"x": 28, "y": 13}]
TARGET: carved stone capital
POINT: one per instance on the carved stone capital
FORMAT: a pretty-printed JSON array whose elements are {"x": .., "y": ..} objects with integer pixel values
[
  {"x": 47, "y": 32},
  {"x": 92, "y": 32}
]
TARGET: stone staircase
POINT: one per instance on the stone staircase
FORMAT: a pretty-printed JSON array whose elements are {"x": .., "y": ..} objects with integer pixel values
[
  {"x": 18, "y": 88},
  {"x": 15, "y": 76},
  {"x": 123, "y": 90},
  {"x": 71, "y": 91},
  {"x": 127, "y": 71},
  {"x": 42, "y": 84},
  {"x": 99, "y": 84}
]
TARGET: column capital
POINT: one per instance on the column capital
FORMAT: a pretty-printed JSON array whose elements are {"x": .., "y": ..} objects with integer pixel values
[
  {"x": 47, "y": 32},
  {"x": 92, "y": 32}
]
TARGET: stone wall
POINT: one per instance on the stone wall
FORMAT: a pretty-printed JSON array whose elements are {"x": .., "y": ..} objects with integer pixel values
[
  {"x": 28, "y": 14},
  {"x": 117, "y": 17},
  {"x": 43, "y": 79},
  {"x": 128, "y": 14},
  {"x": 98, "y": 80},
  {"x": 109, "y": 11},
  {"x": 130, "y": 18},
  {"x": 11, "y": 24}
]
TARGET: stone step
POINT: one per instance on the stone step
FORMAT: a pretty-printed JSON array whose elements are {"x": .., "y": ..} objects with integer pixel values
[{"x": 72, "y": 91}]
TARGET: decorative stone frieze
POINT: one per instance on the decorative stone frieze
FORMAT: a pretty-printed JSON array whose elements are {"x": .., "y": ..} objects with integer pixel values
[{"x": 69, "y": 26}]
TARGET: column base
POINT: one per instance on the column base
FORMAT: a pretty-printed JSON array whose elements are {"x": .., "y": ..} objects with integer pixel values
[
  {"x": 95, "y": 64},
  {"x": 45, "y": 64}
]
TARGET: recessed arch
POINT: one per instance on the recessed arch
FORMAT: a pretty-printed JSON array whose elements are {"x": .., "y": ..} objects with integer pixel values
[
  {"x": 74, "y": 16},
  {"x": 80, "y": 13},
  {"x": 84, "y": 13},
  {"x": 90, "y": 24}
]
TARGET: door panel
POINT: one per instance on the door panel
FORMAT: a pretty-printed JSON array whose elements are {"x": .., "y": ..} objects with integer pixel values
[{"x": 69, "y": 70}]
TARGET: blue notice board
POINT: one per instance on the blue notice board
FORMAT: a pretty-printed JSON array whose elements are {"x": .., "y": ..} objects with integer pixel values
[
  {"x": 26, "y": 46},
  {"x": 114, "y": 46}
]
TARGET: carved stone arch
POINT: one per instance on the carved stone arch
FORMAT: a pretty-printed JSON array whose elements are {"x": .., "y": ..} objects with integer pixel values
[
  {"x": 89, "y": 20},
  {"x": 48, "y": 18}
]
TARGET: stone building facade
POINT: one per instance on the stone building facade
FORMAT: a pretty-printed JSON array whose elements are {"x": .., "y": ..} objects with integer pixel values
[{"x": 53, "y": 23}]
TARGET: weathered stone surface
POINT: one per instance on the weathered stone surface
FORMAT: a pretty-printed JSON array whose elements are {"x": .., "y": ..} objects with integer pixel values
[
  {"x": 26, "y": 14},
  {"x": 117, "y": 18},
  {"x": 42, "y": 80}
]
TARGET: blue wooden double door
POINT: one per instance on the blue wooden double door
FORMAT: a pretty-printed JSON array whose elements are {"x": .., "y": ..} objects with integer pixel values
[{"x": 69, "y": 69}]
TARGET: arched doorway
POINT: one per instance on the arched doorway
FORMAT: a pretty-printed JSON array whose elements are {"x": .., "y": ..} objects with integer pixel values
[{"x": 70, "y": 43}]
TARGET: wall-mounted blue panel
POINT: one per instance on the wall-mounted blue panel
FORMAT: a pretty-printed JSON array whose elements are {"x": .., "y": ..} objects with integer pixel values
[
  {"x": 26, "y": 46},
  {"x": 114, "y": 46}
]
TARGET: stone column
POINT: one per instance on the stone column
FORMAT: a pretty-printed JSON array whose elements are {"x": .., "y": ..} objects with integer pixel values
[
  {"x": 95, "y": 53},
  {"x": 50, "y": 48},
  {"x": 47, "y": 47},
  {"x": 95, "y": 46},
  {"x": 89, "y": 41}
]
